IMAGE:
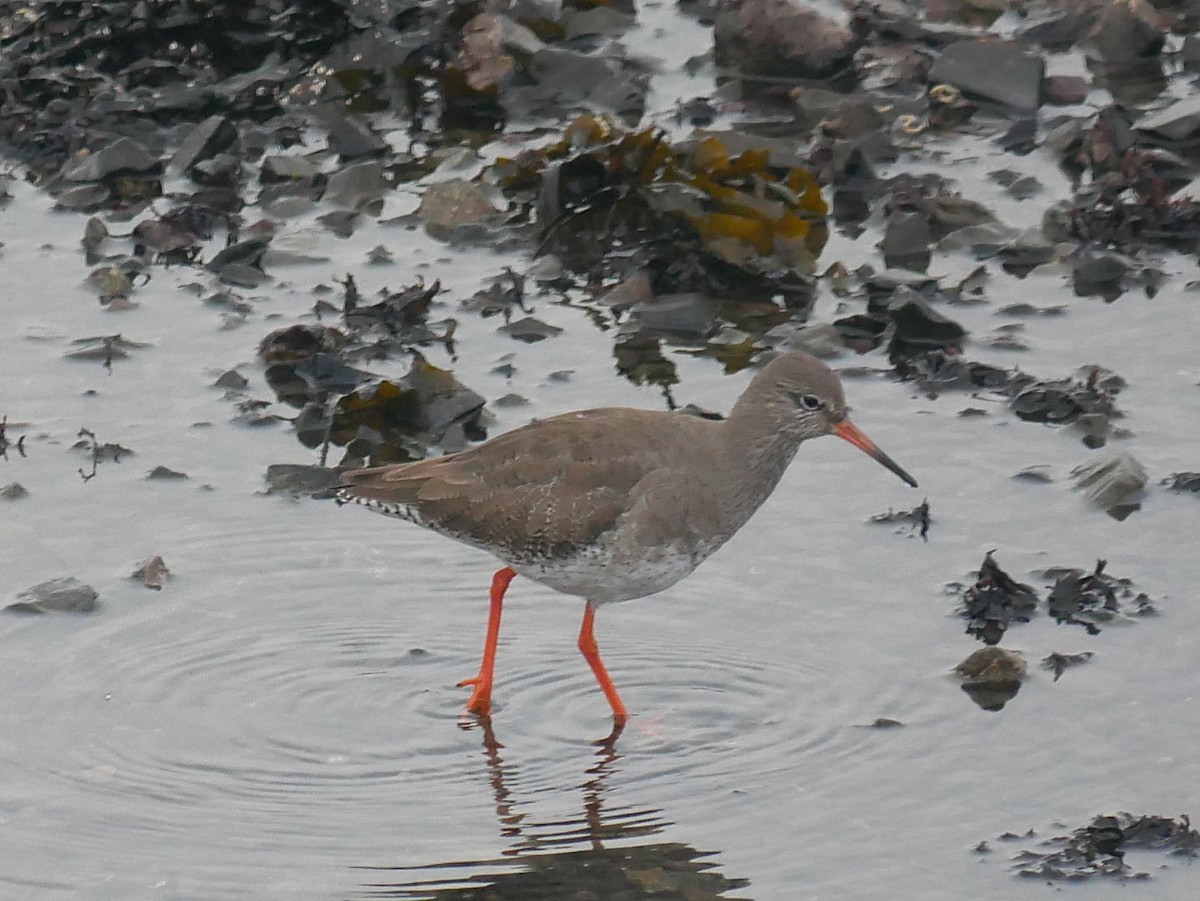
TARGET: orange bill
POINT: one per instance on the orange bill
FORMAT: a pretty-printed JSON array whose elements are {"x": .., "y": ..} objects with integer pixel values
[{"x": 849, "y": 431}]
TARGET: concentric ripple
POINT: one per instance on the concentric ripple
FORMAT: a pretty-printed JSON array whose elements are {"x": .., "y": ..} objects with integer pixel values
[
  {"x": 701, "y": 706},
  {"x": 284, "y": 695},
  {"x": 248, "y": 702}
]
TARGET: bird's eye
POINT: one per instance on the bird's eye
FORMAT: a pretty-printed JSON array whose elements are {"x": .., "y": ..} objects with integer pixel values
[{"x": 811, "y": 402}]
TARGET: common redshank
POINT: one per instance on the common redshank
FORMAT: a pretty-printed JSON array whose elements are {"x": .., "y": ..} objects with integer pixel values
[{"x": 613, "y": 504}]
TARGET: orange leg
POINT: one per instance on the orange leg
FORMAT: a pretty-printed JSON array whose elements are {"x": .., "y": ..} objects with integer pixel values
[
  {"x": 587, "y": 645},
  {"x": 481, "y": 698}
]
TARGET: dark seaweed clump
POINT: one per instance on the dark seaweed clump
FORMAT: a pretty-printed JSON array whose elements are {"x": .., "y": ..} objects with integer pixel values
[
  {"x": 1099, "y": 848},
  {"x": 996, "y": 600}
]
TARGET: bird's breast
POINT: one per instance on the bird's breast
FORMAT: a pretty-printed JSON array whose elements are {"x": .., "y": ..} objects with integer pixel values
[{"x": 603, "y": 574}]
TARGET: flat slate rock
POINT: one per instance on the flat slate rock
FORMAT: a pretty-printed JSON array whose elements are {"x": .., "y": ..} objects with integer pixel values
[
  {"x": 989, "y": 70},
  {"x": 65, "y": 595},
  {"x": 1177, "y": 122}
]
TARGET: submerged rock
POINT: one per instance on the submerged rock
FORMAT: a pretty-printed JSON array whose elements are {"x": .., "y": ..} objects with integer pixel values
[
  {"x": 992, "y": 676},
  {"x": 13, "y": 491},
  {"x": 152, "y": 573},
  {"x": 1113, "y": 483},
  {"x": 65, "y": 595}
]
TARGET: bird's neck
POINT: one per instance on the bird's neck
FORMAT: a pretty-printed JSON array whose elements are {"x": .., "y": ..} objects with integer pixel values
[{"x": 757, "y": 446}]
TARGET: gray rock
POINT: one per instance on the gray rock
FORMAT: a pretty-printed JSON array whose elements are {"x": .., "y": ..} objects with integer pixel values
[
  {"x": 991, "y": 70},
  {"x": 65, "y": 595}
]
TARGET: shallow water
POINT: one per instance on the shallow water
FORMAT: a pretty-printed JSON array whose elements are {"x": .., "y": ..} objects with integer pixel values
[{"x": 282, "y": 721}]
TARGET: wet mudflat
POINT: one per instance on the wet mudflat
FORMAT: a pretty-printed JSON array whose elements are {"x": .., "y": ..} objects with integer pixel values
[{"x": 276, "y": 715}]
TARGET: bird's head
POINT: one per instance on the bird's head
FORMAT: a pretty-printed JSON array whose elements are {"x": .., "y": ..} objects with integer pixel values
[{"x": 817, "y": 404}]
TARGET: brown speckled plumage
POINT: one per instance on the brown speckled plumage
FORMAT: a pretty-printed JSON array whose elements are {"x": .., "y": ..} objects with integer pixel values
[
  {"x": 614, "y": 488},
  {"x": 613, "y": 504}
]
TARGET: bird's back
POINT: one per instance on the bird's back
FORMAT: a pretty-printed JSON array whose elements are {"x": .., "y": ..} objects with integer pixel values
[{"x": 565, "y": 498}]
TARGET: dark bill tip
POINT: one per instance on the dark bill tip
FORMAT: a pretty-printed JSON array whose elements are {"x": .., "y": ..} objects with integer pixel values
[{"x": 847, "y": 431}]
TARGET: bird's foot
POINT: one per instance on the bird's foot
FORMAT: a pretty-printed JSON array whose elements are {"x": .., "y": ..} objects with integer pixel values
[{"x": 480, "y": 702}]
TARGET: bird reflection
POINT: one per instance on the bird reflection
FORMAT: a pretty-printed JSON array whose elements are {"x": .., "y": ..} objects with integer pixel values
[{"x": 602, "y": 853}]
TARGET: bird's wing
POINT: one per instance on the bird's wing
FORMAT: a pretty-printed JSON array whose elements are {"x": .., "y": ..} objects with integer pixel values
[{"x": 539, "y": 490}]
